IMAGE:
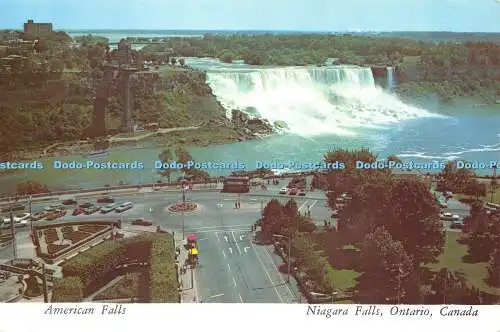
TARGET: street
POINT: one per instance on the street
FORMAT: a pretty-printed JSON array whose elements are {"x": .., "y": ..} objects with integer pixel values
[{"x": 231, "y": 268}]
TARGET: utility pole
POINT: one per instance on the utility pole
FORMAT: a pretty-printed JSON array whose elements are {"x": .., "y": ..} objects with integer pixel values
[
  {"x": 13, "y": 233},
  {"x": 493, "y": 183},
  {"x": 182, "y": 212},
  {"x": 289, "y": 259},
  {"x": 45, "y": 287}
]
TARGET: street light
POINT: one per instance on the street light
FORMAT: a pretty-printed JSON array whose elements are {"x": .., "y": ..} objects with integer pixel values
[{"x": 289, "y": 253}]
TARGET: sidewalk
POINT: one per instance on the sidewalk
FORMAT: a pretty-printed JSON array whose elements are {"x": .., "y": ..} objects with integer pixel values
[{"x": 187, "y": 280}]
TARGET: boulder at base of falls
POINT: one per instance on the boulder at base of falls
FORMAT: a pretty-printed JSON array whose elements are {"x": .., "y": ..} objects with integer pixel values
[{"x": 281, "y": 124}]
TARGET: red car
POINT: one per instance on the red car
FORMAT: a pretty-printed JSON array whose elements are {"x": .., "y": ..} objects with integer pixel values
[{"x": 78, "y": 211}]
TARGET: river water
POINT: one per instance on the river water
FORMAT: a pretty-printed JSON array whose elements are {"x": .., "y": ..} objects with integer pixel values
[{"x": 323, "y": 108}]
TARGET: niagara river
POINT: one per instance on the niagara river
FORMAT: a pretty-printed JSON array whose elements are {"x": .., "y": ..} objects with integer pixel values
[{"x": 322, "y": 108}]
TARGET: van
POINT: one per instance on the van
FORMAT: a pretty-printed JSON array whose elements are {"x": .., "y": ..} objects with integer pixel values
[{"x": 124, "y": 207}]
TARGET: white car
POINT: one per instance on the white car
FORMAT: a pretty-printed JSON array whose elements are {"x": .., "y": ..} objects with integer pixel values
[
  {"x": 449, "y": 217},
  {"x": 22, "y": 216},
  {"x": 283, "y": 190}
]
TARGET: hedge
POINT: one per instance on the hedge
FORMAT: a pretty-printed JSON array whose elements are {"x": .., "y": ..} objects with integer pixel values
[
  {"x": 97, "y": 266},
  {"x": 68, "y": 289}
]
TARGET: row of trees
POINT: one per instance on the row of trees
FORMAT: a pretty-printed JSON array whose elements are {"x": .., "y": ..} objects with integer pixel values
[
  {"x": 449, "y": 67},
  {"x": 180, "y": 156},
  {"x": 396, "y": 227},
  {"x": 483, "y": 239}
]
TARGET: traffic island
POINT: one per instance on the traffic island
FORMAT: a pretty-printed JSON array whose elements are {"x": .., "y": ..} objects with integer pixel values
[{"x": 183, "y": 207}]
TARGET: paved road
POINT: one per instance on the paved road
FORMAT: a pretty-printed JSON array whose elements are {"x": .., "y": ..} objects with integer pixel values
[{"x": 232, "y": 269}]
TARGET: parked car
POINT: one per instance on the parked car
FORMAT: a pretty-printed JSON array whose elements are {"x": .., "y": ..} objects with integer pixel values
[
  {"x": 142, "y": 222},
  {"x": 56, "y": 214},
  {"x": 124, "y": 207},
  {"x": 456, "y": 225},
  {"x": 69, "y": 201},
  {"x": 15, "y": 207},
  {"x": 283, "y": 190},
  {"x": 38, "y": 215},
  {"x": 106, "y": 199},
  {"x": 449, "y": 217},
  {"x": 85, "y": 205},
  {"x": 335, "y": 213},
  {"x": 293, "y": 191},
  {"x": 78, "y": 211},
  {"x": 302, "y": 192},
  {"x": 23, "y": 216},
  {"x": 91, "y": 209},
  {"x": 108, "y": 208}
]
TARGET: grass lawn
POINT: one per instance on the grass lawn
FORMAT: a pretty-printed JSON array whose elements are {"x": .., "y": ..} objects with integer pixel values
[
  {"x": 496, "y": 196},
  {"x": 452, "y": 259},
  {"x": 345, "y": 279}
]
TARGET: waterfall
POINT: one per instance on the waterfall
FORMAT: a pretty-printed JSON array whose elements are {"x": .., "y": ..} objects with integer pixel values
[
  {"x": 390, "y": 77},
  {"x": 310, "y": 100}
]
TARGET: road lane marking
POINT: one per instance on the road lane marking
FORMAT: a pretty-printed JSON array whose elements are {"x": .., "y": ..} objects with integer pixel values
[
  {"x": 266, "y": 272},
  {"x": 217, "y": 235},
  {"x": 237, "y": 246},
  {"x": 214, "y": 296},
  {"x": 303, "y": 205},
  {"x": 224, "y": 230},
  {"x": 241, "y": 237},
  {"x": 241, "y": 299},
  {"x": 230, "y": 250},
  {"x": 225, "y": 238},
  {"x": 280, "y": 274},
  {"x": 224, "y": 253},
  {"x": 312, "y": 205},
  {"x": 234, "y": 282},
  {"x": 229, "y": 266},
  {"x": 246, "y": 249}
]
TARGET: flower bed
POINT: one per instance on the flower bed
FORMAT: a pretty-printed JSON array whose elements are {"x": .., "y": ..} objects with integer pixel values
[
  {"x": 55, "y": 248},
  {"x": 51, "y": 235},
  {"x": 91, "y": 228},
  {"x": 183, "y": 207}
]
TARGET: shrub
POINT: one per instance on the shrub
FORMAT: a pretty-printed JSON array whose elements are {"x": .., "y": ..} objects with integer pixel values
[
  {"x": 97, "y": 266},
  {"x": 91, "y": 228},
  {"x": 33, "y": 288},
  {"x": 69, "y": 289}
]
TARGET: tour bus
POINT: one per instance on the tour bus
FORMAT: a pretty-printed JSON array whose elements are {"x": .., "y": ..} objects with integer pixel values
[
  {"x": 124, "y": 207},
  {"x": 236, "y": 184}
]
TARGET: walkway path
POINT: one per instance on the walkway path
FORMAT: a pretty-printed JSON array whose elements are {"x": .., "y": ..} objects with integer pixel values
[
  {"x": 146, "y": 135},
  {"x": 110, "y": 284}
]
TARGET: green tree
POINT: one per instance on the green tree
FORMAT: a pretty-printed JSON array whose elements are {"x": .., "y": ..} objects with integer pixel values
[
  {"x": 385, "y": 264},
  {"x": 451, "y": 288},
  {"x": 166, "y": 157},
  {"x": 494, "y": 269},
  {"x": 405, "y": 208},
  {"x": 455, "y": 179},
  {"x": 31, "y": 187},
  {"x": 273, "y": 217}
]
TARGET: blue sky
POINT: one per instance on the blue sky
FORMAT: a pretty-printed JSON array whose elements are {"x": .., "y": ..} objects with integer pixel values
[{"x": 325, "y": 15}]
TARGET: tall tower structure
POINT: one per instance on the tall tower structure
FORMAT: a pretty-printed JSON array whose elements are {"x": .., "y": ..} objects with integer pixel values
[
  {"x": 101, "y": 100},
  {"x": 125, "y": 73}
]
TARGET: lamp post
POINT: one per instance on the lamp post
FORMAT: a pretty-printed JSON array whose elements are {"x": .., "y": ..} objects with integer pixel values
[{"x": 289, "y": 253}]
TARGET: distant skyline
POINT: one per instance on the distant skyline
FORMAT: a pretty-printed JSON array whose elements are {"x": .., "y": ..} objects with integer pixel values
[{"x": 293, "y": 15}]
